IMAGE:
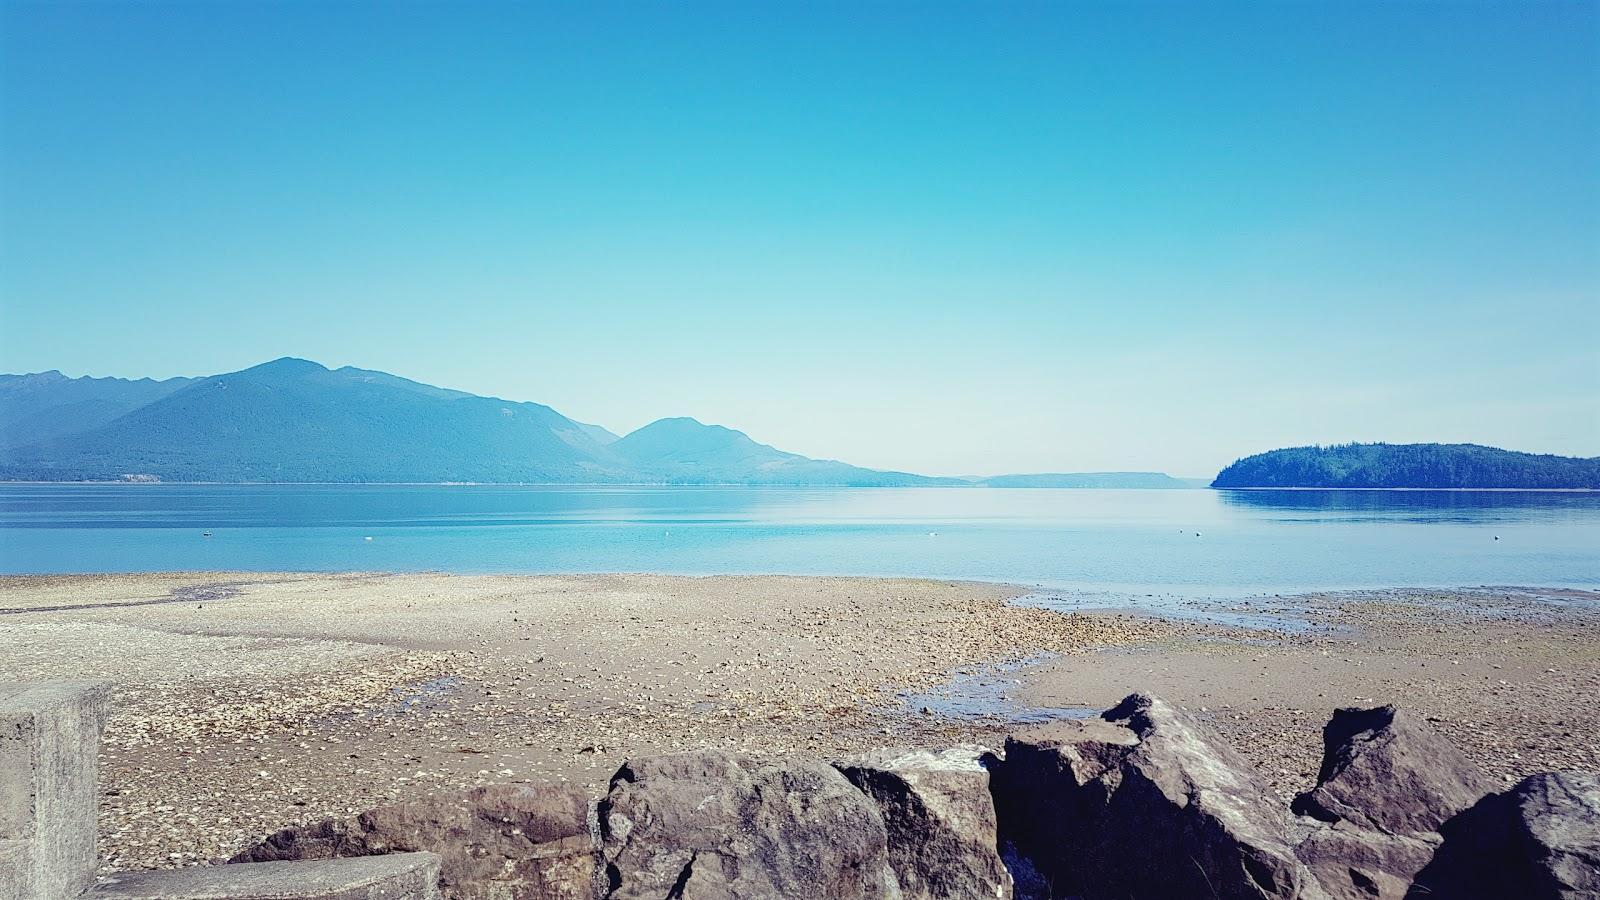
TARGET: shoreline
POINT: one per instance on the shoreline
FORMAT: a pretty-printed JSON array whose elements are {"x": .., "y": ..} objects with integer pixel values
[{"x": 249, "y": 701}]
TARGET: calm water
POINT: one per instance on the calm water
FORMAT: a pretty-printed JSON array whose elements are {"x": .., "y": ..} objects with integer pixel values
[{"x": 1197, "y": 543}]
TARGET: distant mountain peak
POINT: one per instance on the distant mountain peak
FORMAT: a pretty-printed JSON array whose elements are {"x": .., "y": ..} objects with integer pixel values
[
  {"x": 688, "y": 429},
  {"x": 287, "y": 366},
  {"x": 681, "y": 422}
]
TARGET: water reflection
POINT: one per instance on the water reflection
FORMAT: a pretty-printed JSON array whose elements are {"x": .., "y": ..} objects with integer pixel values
[{"x": 1414, "y": 506}]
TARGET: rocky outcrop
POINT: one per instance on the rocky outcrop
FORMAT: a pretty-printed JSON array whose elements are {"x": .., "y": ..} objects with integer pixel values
[
  {"x": 940, "y": 819},
  {"x": 1144, "y": 803},
  {"x": 501, "y": 842},
  {"x": 708, "y": 824},
  {"x": 1387, "y": 770},
  {"x": 1141, "y": 803},
  {"x": 1538, "y": 841}
]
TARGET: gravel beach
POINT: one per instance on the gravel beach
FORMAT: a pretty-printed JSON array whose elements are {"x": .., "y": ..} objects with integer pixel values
[{"x": 246, "y": 702}]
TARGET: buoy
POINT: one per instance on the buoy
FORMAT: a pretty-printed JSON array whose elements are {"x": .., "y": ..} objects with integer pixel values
[{"x": 368, "y": 538}]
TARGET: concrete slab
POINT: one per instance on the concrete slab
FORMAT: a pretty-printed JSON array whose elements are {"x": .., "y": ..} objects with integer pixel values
[
  {"x": 12, "y": 854},
  {"x": 49, "y": 773},
  {"x": 395, "y": 876}
]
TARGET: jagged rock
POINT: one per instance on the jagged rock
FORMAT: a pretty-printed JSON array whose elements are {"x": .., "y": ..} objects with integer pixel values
[
  {"x": 1538, "y": 841},
  {"x": 1353, "y": 863},
  {"x": 1386, "y": 769},
  {"x": 499, "y": 842},
  {"x": 710, "y": 825},
  {"x": 1145, "y": 804},
  {"x": 940, "y": 819}
]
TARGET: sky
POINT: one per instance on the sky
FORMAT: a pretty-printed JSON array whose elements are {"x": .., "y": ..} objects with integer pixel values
[{"x": 944, "y": 238}]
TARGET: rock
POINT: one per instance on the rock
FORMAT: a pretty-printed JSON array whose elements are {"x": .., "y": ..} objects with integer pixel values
[
  {"x": 1144, "y": 803},
  {"x": 1027, "y": 883},
  {"x": 399, "y": 876},
  {"x": 1353, "y": 863},
  {"x": 940, "y": 819},
  {"x": 1384, "y": 768},
  {"x": 710, "y": 824},
  {"x": 1539, "y": 840},
  {"x": 498, "y": 842}
]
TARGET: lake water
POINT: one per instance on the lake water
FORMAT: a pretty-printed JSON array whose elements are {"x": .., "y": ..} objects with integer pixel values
[{"x": 1196, "y": 543}]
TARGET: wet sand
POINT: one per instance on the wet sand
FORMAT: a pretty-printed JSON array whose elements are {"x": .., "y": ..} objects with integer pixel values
[{"x": 246, "y": 702}]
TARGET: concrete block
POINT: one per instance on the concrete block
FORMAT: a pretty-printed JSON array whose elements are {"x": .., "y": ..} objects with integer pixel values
[
  {"x": 395, "y": 876},
  {"x": 49, "y": 797}
]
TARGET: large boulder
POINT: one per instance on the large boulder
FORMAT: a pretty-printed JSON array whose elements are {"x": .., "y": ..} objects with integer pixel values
[
  {"x": 1144, "y": 803},
  {"x": 940, "y": 818},
  {"x": 1538, "y": 841},
  {"x": 710, "y": 825},
  {"x": 1386, "y": 769},
  {"x": 499, "y": 842},
  {"x": 1352, "y": 863}
]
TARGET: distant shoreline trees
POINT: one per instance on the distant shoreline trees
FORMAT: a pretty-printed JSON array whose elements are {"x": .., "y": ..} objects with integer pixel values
[{"x": 1409, "y": 466}]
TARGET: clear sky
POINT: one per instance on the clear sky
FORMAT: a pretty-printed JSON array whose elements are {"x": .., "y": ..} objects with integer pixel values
[{"x": 944, "y": 238}]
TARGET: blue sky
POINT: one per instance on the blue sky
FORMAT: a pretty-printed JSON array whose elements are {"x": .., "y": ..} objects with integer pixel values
[{"x": 951, "y": 238}]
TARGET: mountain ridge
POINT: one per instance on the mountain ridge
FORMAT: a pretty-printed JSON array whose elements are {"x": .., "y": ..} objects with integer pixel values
[
  {"x": 47, "y": 404},
  {"x": 295, "y": 420}
]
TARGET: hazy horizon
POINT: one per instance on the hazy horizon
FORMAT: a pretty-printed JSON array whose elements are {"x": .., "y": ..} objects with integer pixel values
[{"x": 969, "y": 240}]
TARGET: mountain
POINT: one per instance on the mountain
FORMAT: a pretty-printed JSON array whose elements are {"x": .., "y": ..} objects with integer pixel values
[
  {"x": 1409, "y": 466},
  {"x": 685, "y": 451},
  {"x": 49, "y": 404},
  {"x": 1150, "y": 480},
  {"x": 295, "y": 420}
]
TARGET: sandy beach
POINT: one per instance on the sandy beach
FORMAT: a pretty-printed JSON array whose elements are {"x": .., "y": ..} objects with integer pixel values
[{"x": 246, "y": 702}]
